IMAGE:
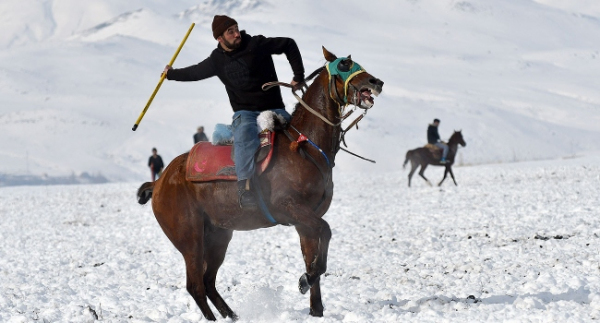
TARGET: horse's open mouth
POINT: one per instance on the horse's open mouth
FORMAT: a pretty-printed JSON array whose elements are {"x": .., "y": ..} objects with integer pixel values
[{"x": 366, "y": 96}]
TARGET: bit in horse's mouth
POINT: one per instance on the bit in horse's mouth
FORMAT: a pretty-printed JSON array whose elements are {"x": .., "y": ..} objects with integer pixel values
[{"x": 365, "y": 95}]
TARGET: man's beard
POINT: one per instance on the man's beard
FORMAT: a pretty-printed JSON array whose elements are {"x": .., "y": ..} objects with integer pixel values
[{"x": 232, "y": 45}]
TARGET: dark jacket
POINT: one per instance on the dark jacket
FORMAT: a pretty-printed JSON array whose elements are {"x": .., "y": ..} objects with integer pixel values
[
  {"x": 200, "y": 136},
  {"x": 156, "y": 163},
  {"x": 244, "y": 71},
  {"x": 433, "y": 135}
]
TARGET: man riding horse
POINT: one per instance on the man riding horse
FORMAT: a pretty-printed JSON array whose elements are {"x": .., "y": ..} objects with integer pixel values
[
  {"x": 244, "y": 63},
  {"x": 433, "y": 138},
  {"x": 297, "y": 188}
]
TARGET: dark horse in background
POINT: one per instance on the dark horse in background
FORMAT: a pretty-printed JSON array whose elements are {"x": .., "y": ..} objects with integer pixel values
[
  {"x": 297, "y": 188},
  {"x": 424, "y": 156}
]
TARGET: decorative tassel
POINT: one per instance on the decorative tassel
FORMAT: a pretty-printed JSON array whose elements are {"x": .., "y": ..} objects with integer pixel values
[{"x": 294, "y": 146}]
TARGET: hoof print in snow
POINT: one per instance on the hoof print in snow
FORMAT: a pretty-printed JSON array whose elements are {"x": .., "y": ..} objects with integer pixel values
[
  {"x": 544, "y": 238},
  {"x": 472, "y": 299}
]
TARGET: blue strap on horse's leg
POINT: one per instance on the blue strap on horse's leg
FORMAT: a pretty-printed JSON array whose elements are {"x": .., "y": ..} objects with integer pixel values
[{"x": 261, "y": 201}]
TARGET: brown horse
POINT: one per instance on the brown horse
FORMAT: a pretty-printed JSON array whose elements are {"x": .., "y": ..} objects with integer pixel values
[
  {"x": 297, "y": 188},
  {"x": 424, "y": 157}
]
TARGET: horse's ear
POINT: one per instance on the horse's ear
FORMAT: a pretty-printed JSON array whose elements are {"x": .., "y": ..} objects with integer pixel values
[{"x": 329, "y": 56}]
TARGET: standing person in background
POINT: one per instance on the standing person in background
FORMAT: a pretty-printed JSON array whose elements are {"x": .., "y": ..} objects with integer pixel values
[
  {"x": 433, "y": 137},
  {"x": 200, "y": 135},
  {"x": 156, "y": 164}
]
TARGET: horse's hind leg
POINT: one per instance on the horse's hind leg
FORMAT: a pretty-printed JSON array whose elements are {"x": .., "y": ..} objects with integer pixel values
[
  {"x": 413, "y": 168},
  {"x": 422, "y": 173},
  {"x": 314, "y": 241},
  {"x": 216, "y": 241},
  {"x": 194, "y": 265},
  {"x": 182, "y": 221}
]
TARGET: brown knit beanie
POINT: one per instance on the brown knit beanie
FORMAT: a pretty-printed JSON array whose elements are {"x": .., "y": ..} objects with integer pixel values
[{"x": 220, "y": 25}]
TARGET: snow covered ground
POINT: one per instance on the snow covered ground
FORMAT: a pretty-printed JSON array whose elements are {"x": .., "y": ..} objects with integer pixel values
[{"x": 516, "y": 242}]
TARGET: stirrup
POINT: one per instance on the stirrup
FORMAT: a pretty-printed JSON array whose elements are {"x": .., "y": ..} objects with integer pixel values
[{"x": 247, "y": 200}]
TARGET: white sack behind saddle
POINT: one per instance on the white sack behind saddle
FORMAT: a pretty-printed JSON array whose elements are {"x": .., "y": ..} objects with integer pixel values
[{"x": 266, "y": 121}]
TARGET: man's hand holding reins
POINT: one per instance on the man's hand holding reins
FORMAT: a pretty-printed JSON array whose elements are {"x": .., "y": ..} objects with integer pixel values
[{"x": 297, "y": 85}]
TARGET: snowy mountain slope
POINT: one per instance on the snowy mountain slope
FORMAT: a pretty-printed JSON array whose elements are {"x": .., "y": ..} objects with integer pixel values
[
  {"x": 32, "y": 21},
  {"x": 519, "y": 77},
  {"x": 587, "y": 8}
]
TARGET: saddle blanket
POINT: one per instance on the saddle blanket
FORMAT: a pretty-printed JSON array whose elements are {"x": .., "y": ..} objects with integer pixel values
[
  {"x": 435, "y": 150},
  {"x": 432, "y": 147},
  {"x": 208, "y": 162}
]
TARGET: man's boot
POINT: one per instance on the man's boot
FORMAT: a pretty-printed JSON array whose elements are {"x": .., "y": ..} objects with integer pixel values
[{"x": 246, "y": 197}]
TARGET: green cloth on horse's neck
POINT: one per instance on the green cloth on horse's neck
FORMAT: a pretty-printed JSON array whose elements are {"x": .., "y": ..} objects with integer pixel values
[{"x": 354, "y": 70}]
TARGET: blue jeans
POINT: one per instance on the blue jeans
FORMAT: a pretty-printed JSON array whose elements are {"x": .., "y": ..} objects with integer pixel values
[
  {"x": 444, "y": 147},
  {"x": 245, "y": 140}
]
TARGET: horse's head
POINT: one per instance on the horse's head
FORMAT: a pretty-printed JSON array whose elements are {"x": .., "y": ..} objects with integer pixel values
[
  {"x": 458, "y": 138},
  {"x": 349, "y": 78}
]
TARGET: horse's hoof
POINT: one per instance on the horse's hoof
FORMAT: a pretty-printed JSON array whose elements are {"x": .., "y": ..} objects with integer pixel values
[
  {"x": 316, "y": 313},
  {"x": 303, "y": 284}
]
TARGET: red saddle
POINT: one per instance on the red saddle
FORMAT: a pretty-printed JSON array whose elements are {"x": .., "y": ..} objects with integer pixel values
[{"x": 207, "y": 162}]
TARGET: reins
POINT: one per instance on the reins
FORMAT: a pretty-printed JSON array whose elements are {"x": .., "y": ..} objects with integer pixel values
[
  {"x": 342, "y": 104},
  {"x": 269, "y": 85}
]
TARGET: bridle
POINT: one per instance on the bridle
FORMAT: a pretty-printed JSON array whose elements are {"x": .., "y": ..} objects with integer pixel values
[
  {"x": 335, "y": 70},
  {"x": 345, "y": 70}
]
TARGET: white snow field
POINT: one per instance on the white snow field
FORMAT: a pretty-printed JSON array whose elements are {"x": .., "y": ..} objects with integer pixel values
[{"x": 516, "y": 242}]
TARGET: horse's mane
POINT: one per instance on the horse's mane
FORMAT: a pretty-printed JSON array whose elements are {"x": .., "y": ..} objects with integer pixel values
[
  {"x": 454, "y": 135},
  {"x": 308, "y": 79}
]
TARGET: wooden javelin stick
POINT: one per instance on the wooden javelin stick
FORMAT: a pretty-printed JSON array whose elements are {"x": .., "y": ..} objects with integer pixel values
[{"x": 162, "y": 78}]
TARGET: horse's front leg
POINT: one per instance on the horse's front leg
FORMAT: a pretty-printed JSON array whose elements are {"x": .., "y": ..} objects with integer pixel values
[
  {"x": 445, "y": 175},
  {"x": 452, "y": 174},
  {"x": 314, "y": 241},
  {"x": 314, "y": 244}
]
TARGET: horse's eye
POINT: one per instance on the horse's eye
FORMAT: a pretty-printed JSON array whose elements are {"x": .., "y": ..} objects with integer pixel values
[{"x": 344, "y": 65}]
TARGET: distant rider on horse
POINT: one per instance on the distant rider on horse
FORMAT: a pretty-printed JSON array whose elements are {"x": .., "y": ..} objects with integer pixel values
[
  {"x": 244, "y": 63},
  {"x": 433, "y": 137}
]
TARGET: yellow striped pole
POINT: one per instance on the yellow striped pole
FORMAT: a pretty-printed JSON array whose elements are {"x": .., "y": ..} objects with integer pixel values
[{"x": 162, "y": 78}]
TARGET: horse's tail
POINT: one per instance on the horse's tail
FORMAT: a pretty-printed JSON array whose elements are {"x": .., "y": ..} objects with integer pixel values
[
  {"x": 408, "y": 153},
  {"x": 144, "y": 193}
]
